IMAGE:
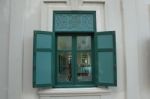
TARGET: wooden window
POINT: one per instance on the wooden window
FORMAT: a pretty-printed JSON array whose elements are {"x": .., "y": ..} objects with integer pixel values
[{"x": 74, "y": 59}]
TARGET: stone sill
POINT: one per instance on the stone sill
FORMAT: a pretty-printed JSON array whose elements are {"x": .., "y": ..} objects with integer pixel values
[{"x": 94, "y": 91}]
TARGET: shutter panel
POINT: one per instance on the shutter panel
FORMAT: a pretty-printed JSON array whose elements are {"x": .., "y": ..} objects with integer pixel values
[
  {"x": 42, "y": 59},
  {"x": 106, "y": 58}
]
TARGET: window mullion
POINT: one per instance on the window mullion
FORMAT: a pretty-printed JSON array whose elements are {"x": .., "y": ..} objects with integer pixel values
[{"x": 74, "y": 68}]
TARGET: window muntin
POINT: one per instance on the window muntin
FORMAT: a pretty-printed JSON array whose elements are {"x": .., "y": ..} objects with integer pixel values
[{"x": 74, "y": 63}]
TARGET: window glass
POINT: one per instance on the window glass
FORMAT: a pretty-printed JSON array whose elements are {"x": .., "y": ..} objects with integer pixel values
[
  {"x": 84, "y": 72},
  {"x": 83, "y": 42},
  {"x": 64, "y": 43},
  {"x": 64, "y": 66},
  {"x": 74, "y": 59}
]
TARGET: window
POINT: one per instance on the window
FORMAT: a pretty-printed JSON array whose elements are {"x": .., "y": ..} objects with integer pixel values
[
  {"x": 74, "y": 55},
  {"x": 74, "y": 60}
]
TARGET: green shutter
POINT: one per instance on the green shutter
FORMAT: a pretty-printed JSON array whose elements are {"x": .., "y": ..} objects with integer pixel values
[
  {"x": 43, "y": 59},
  {"x": 106, "y": 58}
]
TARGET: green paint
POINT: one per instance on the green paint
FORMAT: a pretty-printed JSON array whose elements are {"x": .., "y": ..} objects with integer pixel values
[
  {"x": 74, "y": 21},
  {"x": 106, "y": 58},
  {"x": 43, "y": 41},
  {"x": 105, "y": 38},
  {"x": 42, "y": 59},
  {"x": 43, "y": 67}
]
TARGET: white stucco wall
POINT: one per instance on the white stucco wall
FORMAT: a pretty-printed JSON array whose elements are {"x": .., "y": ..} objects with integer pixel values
[
  {"x": 4, "y": 39},
  {"x": 143, "y": 15},
  {"x": 19, "y": 18},
  {"x": 137, "y": 32},
  {"x": 31, "y": 22}
]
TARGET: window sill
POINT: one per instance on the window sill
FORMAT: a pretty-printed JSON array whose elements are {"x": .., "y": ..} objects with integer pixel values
[{"x": 94, "y": 91}]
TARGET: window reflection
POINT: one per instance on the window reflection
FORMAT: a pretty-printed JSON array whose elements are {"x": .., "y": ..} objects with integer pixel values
[
  {"x": 84, "y": 66},
  {"x": 64, "y": 66},
  {"x": 77, "y": 57}
]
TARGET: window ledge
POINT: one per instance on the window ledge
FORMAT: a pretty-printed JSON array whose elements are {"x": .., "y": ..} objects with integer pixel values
[{"x": 94, "y": 91}]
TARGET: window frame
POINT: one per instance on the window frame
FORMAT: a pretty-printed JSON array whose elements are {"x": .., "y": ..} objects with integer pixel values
[
  {"x": 79, "y": 32},
  {"x": 75, "y": 83},
  {"x": 55, "y": 33}
]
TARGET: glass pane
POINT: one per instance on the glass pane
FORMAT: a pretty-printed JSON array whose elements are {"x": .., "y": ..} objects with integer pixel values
[
  {"x": 64, "y": 64},
  {"x": 84, "y": 66},
  {"x": 64, "y": 43},
  {"x": 83, "y": 42},
  {"x": 105, "y": 41}
]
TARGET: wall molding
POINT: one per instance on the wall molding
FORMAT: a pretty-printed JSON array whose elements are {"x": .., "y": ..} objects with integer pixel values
[
  {"x": 93, "y": 1},
  {"x": 131, "y": 30},
  {"x": 15, "y": 66},
  {"x": 55, "y": 1},
  {"x": 57, "y": 92}
]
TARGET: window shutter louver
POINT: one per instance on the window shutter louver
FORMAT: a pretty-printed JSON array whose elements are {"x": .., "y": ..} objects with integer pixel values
[
  {"x": 43, "y": 59},
  {"x": 106, "y": 58}
]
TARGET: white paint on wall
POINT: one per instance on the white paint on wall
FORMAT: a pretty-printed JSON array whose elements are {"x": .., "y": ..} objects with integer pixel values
[
  {"x": 108, "y": 18},
  {"x": 4, "y": 38},
  {"x": 17, "y": 9},
  {"x": 26, "y": 16},
  {"x": 131, "y": 48},
  {"x": 146, "y": 1},
  {"x": 143, "y": 15},
  {"x": 31, "y": 22},
  {"x": 137, "y": 32}
]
